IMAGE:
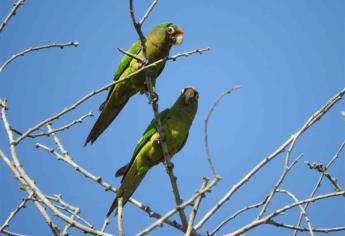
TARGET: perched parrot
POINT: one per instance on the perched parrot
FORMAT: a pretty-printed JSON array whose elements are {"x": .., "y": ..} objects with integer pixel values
[
  {"x": 176, "y": 121},
  {"x": 158, "y": 44}
]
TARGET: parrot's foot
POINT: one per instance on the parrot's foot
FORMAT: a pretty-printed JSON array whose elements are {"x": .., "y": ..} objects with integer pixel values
[
  {"x": 171, "y": 166},
  {"x": 154, "y": 97}
]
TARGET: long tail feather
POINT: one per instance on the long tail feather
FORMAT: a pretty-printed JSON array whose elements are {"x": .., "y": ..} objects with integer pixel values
[
  {"x": 108, "y": 114},
  {"x": 127, "y": 188}
]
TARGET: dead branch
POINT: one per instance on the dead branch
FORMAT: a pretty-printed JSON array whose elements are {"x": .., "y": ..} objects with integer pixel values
[
  {"x": 318, "y": 183},
  {"x": 266, "y": 219},
  {"x": 302, "y": 229},
  {"x": 196, "y": 207},
  {"x": 312, "y": 120},
  {"x": 11, "y": 13},
  {"x": 119, "y": 216},
  {"x": 22, "y": 53},
  {"x": 160, "y": 221},
  {"x": 207, "y": 149}
]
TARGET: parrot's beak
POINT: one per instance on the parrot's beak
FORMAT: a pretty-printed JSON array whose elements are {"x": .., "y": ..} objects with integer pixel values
[{"x": 179, "y": 36}]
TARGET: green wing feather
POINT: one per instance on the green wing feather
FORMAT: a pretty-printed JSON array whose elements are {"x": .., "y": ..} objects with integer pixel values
[
  {"x": 135, "y": 49},
  {"x": 184, "y": 142},
  {"x": 150, "y": 130}
]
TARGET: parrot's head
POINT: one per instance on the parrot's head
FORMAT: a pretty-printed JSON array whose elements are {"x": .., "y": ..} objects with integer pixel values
[
  {"x": 174, "y": 34},
  {"x": 190, "y": 95},
  {"x": 187, "y": 103},
  {"x": 166, "y": 33}
]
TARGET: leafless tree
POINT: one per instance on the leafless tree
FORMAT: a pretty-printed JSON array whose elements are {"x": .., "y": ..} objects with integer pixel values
[{"x": 55, "y": 207}]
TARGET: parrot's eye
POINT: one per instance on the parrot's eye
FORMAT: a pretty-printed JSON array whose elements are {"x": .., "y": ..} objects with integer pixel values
[
  {"x": 170, "y": 30},
  {"x": 196, "y": 95}
]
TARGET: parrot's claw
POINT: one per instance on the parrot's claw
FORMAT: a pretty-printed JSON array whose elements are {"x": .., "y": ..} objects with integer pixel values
[
  {"x": 171, "y": 166},
  {"x": 154, "y": 97}
]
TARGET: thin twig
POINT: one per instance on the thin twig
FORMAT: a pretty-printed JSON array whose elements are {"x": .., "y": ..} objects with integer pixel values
[
  {"x": 11, "y": 13},
  {"x": 303, "y": 212},
  {"x": 318, "y": 183},
  {"x": 22, "y": 53},
  {"x": 266, "y": 219},
  {"x": 9, "y": 233},
  {"x": 233, "y": 216},
  {"x": 74, "y": 211},
  {"x": 196, "y": 207},
  {"x": 68, "y": 226},
  {"x": 14, "y": 212},
  {"x": 11, "y": 166},
  {"x": 207, "y": 149},
  {"x": 286, "y": 169},
  {"x": 32, "y": 188},
  {"x": 160, "y": 221},
  {"x": 146, "y": 15},
  {"x": 105, "y": 224},
  {"x": 137, "y": 27},
  {"x": 60, "y": 129},
  {"x": 322, "y": 169},
  {"x": 314, "y": 118},
  {"x": 302, "y": 229},
  {"x": 18, "y": 170},
  {"x": 119, "y": 216},
  {"x": 139, "y": 59}
]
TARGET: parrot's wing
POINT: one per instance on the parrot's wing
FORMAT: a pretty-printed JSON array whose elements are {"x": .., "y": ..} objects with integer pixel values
[
  {"x": 134, "y": 49},
  {"x": 184, "y": 142},
  {"x": 150, "y": 130}
]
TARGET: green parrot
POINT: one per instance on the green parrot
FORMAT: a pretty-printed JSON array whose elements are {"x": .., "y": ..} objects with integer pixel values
[
  {"x": 176, "y": 121},
  {"x": 158, "y": 44}
]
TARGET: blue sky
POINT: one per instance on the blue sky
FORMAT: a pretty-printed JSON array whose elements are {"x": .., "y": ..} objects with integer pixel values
[{"x": 288, "y": 56}]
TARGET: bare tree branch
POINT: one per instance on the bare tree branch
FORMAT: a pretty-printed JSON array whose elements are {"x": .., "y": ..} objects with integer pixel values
[
  {"x": 233, "y": 216},
  {"x": 139, "y": 59},
  {"x": 285, "y": 171},
  {"x": 32, "y": 188},
  {"x": 303, "y": 212},
  {"x": 196, "y": 207},
  {"x": 9, "y": 233},
  {"x": 207, "y": 149},
  {"x": 19, "y": 172},
  {"x": 318, "y": 183},
  {"x": 60, "y": 129},
  {"x": 11, "y": 13},
  {"x": 160, "y": 221},
  {"x": 22, "y": 53},
  {"x": 322, "y": 169},
  {"x": 299, "y": 228},
  {"x": 266, "y": 219},
  {"x": 14, "y": 212},
  {"x": 146, "y": 15},
  {"x": 119, "y": 216},
  {"x": 312, "y": 120}
]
